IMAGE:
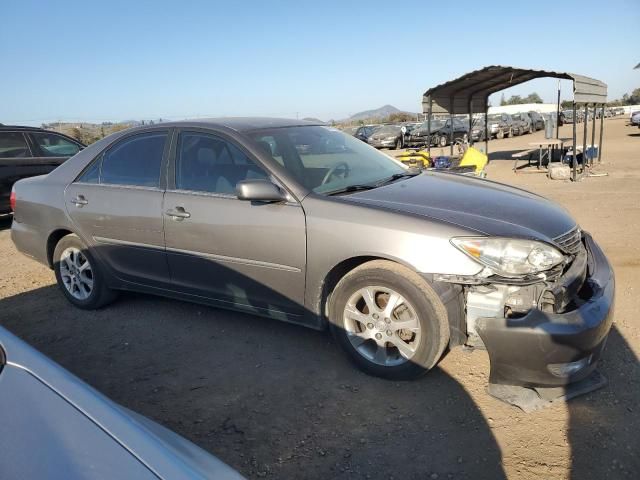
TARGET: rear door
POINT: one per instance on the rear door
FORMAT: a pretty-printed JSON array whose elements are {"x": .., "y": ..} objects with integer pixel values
[
  {"x": 116, "y": 204},
  {"x": 248, "y": 254}
]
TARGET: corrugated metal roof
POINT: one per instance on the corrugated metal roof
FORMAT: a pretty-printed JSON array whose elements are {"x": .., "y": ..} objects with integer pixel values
[{"x": 475, "y": 87}]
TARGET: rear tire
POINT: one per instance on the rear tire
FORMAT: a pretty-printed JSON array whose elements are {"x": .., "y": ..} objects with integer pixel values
[
  {"x": 510, "y": 134},
  {"x": 399, "y": 342},
  {"x": 79, "y": 275}
]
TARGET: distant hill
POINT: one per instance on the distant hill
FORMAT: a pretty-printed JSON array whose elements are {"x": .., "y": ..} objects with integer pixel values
[
  {"x": 381, "y": 112},
  {"x": 314, "y": 120}
]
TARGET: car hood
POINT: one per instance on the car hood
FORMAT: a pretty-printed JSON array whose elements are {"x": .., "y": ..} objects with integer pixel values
[
  {"x": 483, "y": 206},
  {"x": 386, "y": 133}
]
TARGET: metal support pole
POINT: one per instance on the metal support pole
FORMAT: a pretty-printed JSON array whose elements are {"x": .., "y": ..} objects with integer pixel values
[
  {"x": 593, "y": 133},
  {"x": 574, "y": 160},
  {"x": 557, "y": 113},
  {"x": 451, "y": 127},
  {"x": 486, "y": 127},
  {"x": 584, "y": 136},
  {"x": 601, "y": 132},
  {"x": 469, "y": 136},
  {"x": 429, "y": 127}
]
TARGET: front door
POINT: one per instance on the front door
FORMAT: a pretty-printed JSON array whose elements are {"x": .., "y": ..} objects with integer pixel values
[
  {"x": 247, "y": 254},
  {"x": 116, "y": 205}
]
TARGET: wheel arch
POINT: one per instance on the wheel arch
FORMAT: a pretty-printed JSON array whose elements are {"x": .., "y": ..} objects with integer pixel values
[
  {"x": 52, "y": 240},
  {"x": 450, "y": 294}
]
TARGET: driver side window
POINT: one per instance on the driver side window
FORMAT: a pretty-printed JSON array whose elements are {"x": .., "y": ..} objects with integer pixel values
[{"x": 207, "y": 163}]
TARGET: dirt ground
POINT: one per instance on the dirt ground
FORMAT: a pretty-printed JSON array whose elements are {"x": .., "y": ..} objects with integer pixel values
[{"x": 280, "y": 401}]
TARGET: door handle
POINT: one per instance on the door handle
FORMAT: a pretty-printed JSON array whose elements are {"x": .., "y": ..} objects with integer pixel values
[
  {"x": 80, "y": 201},
  {"x": 178, "y": 214}
]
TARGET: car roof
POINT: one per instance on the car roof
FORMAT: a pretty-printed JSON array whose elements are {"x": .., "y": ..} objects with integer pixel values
[
  {"x": 21, "y": 127},
  {"x": 242, "y": 124}
]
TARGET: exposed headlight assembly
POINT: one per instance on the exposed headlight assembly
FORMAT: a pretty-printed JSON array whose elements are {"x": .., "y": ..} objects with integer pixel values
[{"x": 510, "y": 257}]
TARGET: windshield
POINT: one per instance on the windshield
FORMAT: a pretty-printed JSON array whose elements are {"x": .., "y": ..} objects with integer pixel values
[
  {"x": 324, "y": 159},
  {"x": 494, "y": 118}
]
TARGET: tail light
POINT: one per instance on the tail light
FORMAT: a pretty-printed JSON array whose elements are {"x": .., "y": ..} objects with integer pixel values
[{"x": 12, "y": 200}]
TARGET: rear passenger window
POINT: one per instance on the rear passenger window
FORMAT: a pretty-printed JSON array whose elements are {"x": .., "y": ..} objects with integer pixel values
[
  {"x": 135, "y": 161},
  {"x": 13, "y": 145},
  {"x": 52, "y": 145},
  {"x": 91, "y": 174},
  {"x": 206, "y": 163}
]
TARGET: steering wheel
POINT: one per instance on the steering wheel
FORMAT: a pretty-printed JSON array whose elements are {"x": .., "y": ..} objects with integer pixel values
[{"x": 334, "y": 169}]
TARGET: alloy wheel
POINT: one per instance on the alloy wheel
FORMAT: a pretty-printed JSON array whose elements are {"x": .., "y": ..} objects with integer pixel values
[
  {"x": 76, "y": 273},
  {"x": 382, "y": 326}
]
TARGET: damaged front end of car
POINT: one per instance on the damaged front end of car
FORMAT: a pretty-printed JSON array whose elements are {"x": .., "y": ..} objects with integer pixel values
[{"x": 542, "y": 311}]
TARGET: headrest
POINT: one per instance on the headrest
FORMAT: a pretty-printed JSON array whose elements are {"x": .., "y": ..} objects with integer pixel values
[{"x": 206, "y": 156}]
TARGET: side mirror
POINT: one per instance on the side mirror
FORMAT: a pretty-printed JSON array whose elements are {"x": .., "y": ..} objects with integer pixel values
[{"x": 259, "y": 190}]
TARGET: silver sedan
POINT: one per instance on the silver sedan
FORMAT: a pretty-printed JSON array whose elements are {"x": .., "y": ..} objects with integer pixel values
[{"x": 302, "y": 223}]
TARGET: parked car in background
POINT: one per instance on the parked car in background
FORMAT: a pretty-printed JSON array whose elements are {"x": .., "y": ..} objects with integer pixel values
[
  {"x": 567, "y": 116},
  {"x": 478, "y": 131},
  {"x": 635, "y": 118},
  {"x": 364, "y": 132},
  {"x": 537, "y": 120},
  {"x": 387, "y": 136},
  {"x": 440, "y": 133},
  {"x": 56, "y": 426},
  {"x": 522, "y": 123},
  {"x": 500, "y": 125},
  {"x": 297, "y": 221},
  {"x": 27, "y": 152}
]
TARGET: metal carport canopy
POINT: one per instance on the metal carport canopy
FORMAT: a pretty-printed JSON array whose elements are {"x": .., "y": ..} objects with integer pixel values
[{"x": 470, "y": 92}]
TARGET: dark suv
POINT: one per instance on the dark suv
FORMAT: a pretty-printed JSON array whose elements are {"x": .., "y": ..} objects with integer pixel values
[
  {"x": 537, "y": 121},
  {"x": 27, "y": 152},
  {"x": 440, "y": 133}
]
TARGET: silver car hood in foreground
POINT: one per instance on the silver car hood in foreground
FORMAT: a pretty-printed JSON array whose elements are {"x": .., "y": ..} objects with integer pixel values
[
  {"x": 57, "y": 427},
  {"x": 487, "y": 208}
]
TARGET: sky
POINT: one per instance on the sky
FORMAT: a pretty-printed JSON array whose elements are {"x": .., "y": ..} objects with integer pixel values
[{"x": 119, "y": 60}]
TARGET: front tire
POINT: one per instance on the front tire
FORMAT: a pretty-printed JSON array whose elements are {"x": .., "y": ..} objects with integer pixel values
[
  {"x": 389, "y": 320},
  {"x": 398, "y": 144},
  {"x": 79, "y": 275},
  {"x": 442, "y": 141},
  {"x": 500, "y": 134}
]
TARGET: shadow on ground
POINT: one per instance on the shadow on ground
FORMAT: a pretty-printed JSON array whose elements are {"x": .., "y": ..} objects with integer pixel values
[
  {"x": 281, "y": 401},
  {"x": 603, "y": 426},
  {"x": 268, "y": 398}
]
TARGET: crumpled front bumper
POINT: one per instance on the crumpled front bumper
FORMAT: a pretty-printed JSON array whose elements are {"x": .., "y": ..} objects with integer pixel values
[{"x": 521, "y": 350}]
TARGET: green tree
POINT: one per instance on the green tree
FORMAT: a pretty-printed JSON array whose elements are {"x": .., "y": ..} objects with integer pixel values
[
  {"x": 518, "y": 100},
  {"x": 533, "y": 98}
]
